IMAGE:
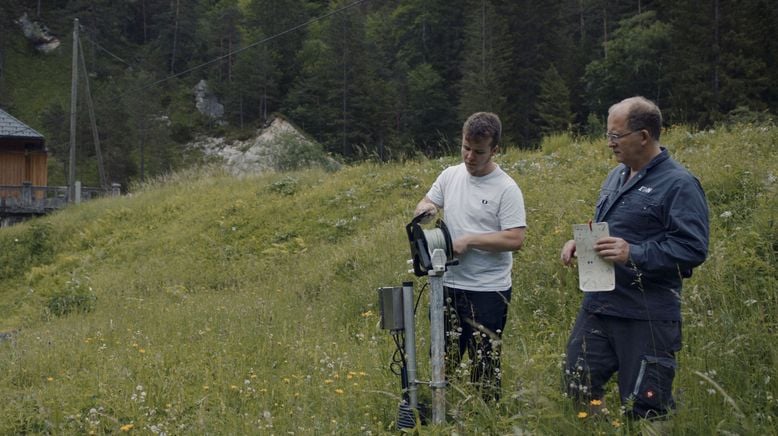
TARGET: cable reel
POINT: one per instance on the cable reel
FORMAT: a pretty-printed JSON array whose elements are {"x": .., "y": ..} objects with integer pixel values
[{"x": 424, "y": 242}]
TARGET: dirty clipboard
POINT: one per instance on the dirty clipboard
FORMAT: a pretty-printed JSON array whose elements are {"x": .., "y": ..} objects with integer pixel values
[{"x": 594, "y": 273}]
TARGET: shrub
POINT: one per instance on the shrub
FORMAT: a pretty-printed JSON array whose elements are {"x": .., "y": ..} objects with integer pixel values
[{"x": 76, "y": 297}]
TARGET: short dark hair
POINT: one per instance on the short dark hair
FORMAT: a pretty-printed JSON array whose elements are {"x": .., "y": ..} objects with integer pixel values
[
  {"x": 482, "y": 125},
  {"x": 642, "y": 113}
]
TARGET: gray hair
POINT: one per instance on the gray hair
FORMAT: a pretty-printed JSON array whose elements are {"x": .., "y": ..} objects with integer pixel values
[{"x": 642, "y": 113}]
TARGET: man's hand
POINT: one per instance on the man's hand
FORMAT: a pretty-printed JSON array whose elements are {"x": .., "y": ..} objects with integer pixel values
[
  {"x": 613, "y": 249},
  {"x": 568, "y": 251},
  {"x": 427, "y": 208}
]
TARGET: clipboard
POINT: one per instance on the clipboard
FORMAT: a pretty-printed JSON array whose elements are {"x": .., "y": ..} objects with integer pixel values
[{"x": 594, "y": 273}]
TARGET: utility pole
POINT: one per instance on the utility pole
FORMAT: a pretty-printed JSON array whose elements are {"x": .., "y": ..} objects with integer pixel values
[{"x": 73, "y": 104}]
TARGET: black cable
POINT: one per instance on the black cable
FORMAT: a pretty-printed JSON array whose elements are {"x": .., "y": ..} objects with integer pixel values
[
  {"x": 418, "y": 299},
  {"x": 398, "y": 357}
]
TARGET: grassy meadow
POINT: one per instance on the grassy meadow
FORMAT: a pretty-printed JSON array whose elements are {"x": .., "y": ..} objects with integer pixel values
[{"x": 207, "y": 304}]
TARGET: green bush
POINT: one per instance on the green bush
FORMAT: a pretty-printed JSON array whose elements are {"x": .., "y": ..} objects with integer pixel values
[{"x": 75, "y": 297}]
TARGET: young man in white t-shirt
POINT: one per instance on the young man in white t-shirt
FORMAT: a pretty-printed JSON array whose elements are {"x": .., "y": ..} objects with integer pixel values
[{"x": 484, "y": 212}]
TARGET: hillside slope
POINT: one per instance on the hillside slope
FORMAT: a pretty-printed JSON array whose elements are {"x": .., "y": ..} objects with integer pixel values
[{"x": 205, "y": 303}]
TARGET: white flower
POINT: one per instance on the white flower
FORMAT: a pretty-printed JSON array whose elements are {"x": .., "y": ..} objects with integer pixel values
[{"x": 726, "y": 214}]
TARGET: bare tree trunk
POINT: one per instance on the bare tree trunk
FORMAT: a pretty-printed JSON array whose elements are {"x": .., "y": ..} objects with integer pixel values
[
  {"x": 241, "y": 110},
  {"x": 582, "y": 23},
  {"x": 483, "y": 39},
  {"x": 143, "y": 17},
  {"x": 229, "y": 59},
  {"x": 175, "y": 40},
  {"x": 717, "y": 51},
  {"x": 605, "y": 32},
  {"x": 345, "y": 88}
]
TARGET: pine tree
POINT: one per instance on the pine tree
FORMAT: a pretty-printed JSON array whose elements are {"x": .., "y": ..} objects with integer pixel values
[
  {"x": 485, "y": 61},
  {"x": 553, "y": 104}
]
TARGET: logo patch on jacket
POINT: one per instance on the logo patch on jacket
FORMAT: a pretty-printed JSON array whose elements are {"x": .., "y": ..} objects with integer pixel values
[{"x": 645, "y": 189}]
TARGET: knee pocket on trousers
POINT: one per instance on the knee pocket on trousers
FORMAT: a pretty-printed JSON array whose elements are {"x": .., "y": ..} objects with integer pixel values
[{"x": 653, "y": 386}]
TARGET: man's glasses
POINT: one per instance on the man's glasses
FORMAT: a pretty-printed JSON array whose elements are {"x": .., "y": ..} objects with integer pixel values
[{"x": 614, "y": 137}]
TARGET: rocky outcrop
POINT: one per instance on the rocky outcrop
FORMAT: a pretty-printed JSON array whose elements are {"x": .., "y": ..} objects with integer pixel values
[
  {"x": 270, "y": 149},
  {"x": 207, "y": 103},
  {"x": 38, "y": 34}
]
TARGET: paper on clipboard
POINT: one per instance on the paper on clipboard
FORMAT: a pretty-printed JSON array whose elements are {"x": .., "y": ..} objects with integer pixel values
[{"x": 594, "y": 273}]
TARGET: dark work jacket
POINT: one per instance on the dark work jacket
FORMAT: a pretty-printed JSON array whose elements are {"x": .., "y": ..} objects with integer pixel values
[{"x": 663, "y": 215}]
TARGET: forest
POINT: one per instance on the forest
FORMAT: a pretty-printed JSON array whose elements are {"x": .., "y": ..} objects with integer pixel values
[{"x": 379, "y": 79}]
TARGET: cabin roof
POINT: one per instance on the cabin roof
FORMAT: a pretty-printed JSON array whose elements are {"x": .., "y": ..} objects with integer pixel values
[{"x": 10, "y": 127}]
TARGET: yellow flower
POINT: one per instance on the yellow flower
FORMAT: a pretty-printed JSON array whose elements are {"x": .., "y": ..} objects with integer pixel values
[
  {"x": 582, "y": 415},
  {"x": 126, "y": 427},
  {"x": 596, "y": 403},
  {"x": 142, "y": 350},
  {"x": 616, "y": 423},
  {"x": 328, "y": 381},
  {"x": 338, "y": 391},
  {"x": 49, "y": 378}
]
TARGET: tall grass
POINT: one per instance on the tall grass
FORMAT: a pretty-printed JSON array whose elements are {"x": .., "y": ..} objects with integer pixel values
[{"x": 204, "y": 303}]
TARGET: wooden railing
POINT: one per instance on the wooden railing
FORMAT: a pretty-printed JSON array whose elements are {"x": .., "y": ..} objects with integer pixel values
[{"x": 36, "y": 200}]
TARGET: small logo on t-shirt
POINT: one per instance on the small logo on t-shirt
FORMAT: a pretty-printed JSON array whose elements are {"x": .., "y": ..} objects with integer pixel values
[{"x": 484, "y": 202}]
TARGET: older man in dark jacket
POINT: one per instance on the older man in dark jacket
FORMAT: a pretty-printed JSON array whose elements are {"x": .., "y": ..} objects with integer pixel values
[{"x": 658, "y": 220}]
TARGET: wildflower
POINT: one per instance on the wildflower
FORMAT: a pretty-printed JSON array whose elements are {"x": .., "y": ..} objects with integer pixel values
[
  {"x": 726, "y": 214},
  {"x": 367, "y": 314},
  {"x": 616, "y": 423},
  {"x": 126, "y": 427},
  {"x": 596, "y": 402},
  {"x": 49, "y": 378},
  {"x": 328, "y": 381},
  {"x": 582, "y": 415},
  {"x": 339, "y": 391}
]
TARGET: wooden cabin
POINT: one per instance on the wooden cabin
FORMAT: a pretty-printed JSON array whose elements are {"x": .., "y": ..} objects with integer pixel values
[{"x": 23, "y": 157}]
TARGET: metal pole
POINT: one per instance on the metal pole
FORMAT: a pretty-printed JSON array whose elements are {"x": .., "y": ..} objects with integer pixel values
[
  {"x": 437, "y": 337},
  {"x": 410, "y": 344},
  {"x": 73, "y": 101}
]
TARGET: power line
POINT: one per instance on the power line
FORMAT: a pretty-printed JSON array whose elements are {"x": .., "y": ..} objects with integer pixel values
[
  {"x": 254, "y": 44},
  {"x": 219, "y": 58},
  {"x": 96, "y": 44}
]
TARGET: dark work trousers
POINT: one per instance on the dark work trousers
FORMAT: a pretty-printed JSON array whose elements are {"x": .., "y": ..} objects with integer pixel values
[
  {"x": 641, "y": 351},
  {"x": 474, "y": 321}
]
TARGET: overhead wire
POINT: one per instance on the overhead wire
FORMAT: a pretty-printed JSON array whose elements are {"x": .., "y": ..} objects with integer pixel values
[
  {"x": 214, "y": 60},
  {"x": 254, "y": 44}
]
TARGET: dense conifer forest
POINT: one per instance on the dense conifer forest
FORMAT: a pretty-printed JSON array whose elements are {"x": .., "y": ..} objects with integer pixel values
[{"x": 382, "y": 79}]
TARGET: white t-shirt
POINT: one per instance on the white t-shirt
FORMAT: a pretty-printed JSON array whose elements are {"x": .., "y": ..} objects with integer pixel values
[{"x": 474, "y": 205}]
